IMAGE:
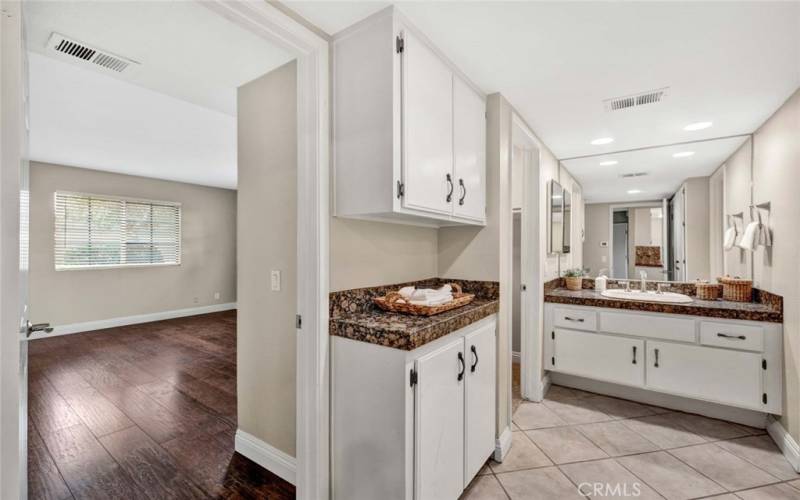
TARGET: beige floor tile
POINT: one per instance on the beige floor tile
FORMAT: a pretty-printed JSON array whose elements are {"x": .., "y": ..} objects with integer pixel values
[
  {"x": 796, "y": 484},
  {"x": 560, "y": 393},
  {"x": 607, "y": 479},
  {"x": 486, "y": 469},
  {"x": 726, "y": 496},
  {"x": 565, "y": 444},
  {"x": 576, "y": 411},
  {"x": 619, "y": 408},
  {"x": 523, "y": 455},
  {"x": 547, "y": 483},
  {"x": 761, "y": 452},
  {"x": 663, "y": 431},
  {"x": 773, "y": 492},
  {"x": 669, "y": 476},
  {"x": 710, "y": 428},
  {"x": 484, "y": 488},
  {"x": 723, "y": 467},
  {"x": 616, "y": 439},
  {"x": 536, "y": 416}
]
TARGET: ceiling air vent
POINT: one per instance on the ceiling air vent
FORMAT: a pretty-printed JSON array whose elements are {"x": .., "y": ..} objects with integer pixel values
[
  {"x": 634, "y": 174},
  {"x": 76, "y": 51},
  {"x": 634, "y": 100}
]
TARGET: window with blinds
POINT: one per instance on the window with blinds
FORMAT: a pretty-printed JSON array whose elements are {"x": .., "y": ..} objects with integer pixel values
[{"x": 103, "y": 231}]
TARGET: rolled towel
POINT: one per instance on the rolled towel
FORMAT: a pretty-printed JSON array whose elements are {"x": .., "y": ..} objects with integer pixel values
[
  {"x": 748, "y": 241},
  {"x": 730, "y": 238},
  {"x": 406, "y": 292}
]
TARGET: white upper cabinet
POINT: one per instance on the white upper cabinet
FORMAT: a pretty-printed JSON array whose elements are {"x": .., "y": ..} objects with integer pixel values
[{"x": 409, "y": 129}]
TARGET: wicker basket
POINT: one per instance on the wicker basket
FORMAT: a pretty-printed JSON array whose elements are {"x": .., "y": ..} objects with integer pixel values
[
  {"x": 394, "y": 302},
  {"x": 736, "y": 289},
  {"x": 708, "y": 291},
  {"x": 574, "y": 283}
]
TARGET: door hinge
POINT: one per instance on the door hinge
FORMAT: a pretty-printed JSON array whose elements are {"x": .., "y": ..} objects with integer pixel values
[
  {"x": 401, "y": 190},
  {"x": 764, "y": 398},
  {"x": 763, "y": 364},
  {"x": 413, "y": 377},
  {"x": 553, "y": 361},
  {"x": 553, "y": 335},
  {"x": 298, "y": 322},
  {"x": 400, "y": 44}
]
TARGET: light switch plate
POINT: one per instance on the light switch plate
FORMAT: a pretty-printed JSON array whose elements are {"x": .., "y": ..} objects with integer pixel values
[{"x": 275, "y": 279}]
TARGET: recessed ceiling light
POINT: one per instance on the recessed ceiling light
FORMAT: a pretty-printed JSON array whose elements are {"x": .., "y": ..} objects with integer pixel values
[
  {"x": 608, "y": 163},
  {"x": 683, "y": 154},
  {"x": 634, "y": 191},
  {"x": 697, "y": 126},
  {"x": 602, "y": 140}
]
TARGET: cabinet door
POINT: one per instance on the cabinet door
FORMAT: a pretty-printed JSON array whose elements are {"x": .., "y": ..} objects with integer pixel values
[
  {"x": 721, "y": 375},
  {"x": 439, "y": 423},
  {"x": 603, "y": 357},
  {"x": 479, "y": 407},
  {"x": 427, "y": 129},
  {"x": 469, "y": 136}
]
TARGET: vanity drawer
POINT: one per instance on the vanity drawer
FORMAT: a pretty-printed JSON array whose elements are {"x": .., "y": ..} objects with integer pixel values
[
  {"x": 577, "y": 319},
  {"x": 735, "y": 336},
  {"x": 654, "y": 327}
]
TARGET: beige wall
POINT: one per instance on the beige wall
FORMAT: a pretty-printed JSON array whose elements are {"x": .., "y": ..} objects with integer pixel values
[
  {"x": 737, "y": 199},
  {"x": 596, "y": 257},
  {"x": 697, "y": 229},
  {"x": 208, "y": 253},
  {"x": 776, "y": 174},
  {"x": 716, "y": 223},
  {"x": 267, "y": 229}
]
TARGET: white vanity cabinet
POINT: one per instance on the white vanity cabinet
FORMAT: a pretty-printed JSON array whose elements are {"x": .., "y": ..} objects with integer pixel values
[
  {"x": 413, "y": 424},
  {"x": 731, "y": 362},
  {"x": 409, "y": 129}
]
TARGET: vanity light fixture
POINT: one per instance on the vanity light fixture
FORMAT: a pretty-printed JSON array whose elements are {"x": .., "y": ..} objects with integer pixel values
[
  {"x": 602, "y": 140},
  {"x": 683, "y": 154},
  {"x": 697, "y": 126},
  {"x": 634, "y": 191},
  {"x": 608, "y": 163}
]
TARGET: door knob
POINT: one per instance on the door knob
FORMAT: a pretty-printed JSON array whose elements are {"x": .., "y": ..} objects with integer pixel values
[{"x": 38, "y": 327}]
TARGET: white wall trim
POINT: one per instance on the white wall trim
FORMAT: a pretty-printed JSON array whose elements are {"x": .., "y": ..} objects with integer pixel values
[
  {"x": 269, "y": 457},
  {"x": 502, "y": 445},
  {"x": 785, "y": 441},
  {"x": 101, "y": 324},
  {"x": 544, "y": 386}
]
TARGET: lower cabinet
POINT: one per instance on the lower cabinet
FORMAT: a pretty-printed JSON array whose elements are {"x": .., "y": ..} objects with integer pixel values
[
  {"x": 604, "y": 357},
  {"x": 413, "y": 425}
]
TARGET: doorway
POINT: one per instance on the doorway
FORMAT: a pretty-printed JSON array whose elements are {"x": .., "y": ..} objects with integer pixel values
[{"x": 620, "y": 248}]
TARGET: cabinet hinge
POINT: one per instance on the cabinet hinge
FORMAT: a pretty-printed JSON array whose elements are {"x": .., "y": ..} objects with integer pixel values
[
  {"x": 401, "y": 190},
  {"x": 413, "y": 377},
  {"x": 763, "y": 364},
  {"x": 400, "y": 44},
  {"x": 764, "y": 398},
  {"x": 553, "y": 361}
]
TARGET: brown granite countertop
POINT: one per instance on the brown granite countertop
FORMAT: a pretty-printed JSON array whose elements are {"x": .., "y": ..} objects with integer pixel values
[
  {"x": 765, "y": 307},
  {"x": 354, "y": 316}
]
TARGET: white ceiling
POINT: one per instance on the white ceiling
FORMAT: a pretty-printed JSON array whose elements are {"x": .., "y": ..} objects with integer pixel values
[
  {"x": 732, "y": 63},
  {"x": 604, "y": 184}
]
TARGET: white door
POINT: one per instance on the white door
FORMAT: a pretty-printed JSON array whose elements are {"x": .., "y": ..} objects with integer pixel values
[
  {"x": 721, "y": 375},
  {"x": 427, "y": 129},
  {"x": 469, "y": 136},
  {"x": 479, "y": 407},
  {"x": 603, "y": 357},
  {"x": 531, "y": 268},
  {"x": 439, "y": 423}
]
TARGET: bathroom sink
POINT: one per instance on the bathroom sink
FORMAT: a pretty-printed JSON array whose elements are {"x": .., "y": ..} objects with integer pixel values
[{"x": 667, "y": 297}]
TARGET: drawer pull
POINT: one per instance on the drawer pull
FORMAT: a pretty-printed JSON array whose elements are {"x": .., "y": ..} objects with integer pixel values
[
  {"x": 579, "y": 320},
  {"x": 729, "y": 336},
  {"x": 656, "y": 352},
  {"x": 634, "y": 355}
]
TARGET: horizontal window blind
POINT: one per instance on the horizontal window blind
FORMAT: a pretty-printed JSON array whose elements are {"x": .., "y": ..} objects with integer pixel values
[{"x": 101, "y": 231}]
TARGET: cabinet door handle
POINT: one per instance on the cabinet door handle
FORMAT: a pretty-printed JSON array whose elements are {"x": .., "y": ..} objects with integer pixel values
[
  {"x": 449, "y": 193},
  {"x": 475, "y": 355},
  {"x": 579, "y": 320},
  {"x": 656, "y": 365},
  {"x": 634, "y": 355},
  {"x": 463, "y": 191},
  {"x": 729, "y": 336},
  {"x": 461, "y": 363}
]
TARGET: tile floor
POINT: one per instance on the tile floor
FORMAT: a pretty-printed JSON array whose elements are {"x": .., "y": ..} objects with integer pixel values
[{"x": 620, "y": 449}]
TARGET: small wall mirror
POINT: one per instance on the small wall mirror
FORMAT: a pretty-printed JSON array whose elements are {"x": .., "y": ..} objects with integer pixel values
[
  {"x": 556, "y": 217},
  {"x": 567, "y": 222}
]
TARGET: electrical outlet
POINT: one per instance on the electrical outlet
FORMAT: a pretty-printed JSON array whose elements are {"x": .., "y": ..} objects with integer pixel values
[
  {"x": 275, "y": 278},
  {"x": 216, "y": 295}
]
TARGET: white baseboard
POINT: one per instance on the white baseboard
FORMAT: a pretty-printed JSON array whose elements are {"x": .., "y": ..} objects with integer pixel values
[
  {"x": 268, "y": 457},
  {"x": 516, "y": 357},
  {"x": 132, "y": 320},
  {"x": 503, "y": 445},
  {"x": 785, "y": 441},
  {"x": 544, "y": 386}
]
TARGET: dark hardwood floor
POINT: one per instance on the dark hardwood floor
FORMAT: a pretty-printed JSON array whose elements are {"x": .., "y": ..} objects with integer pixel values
[{"x": 143, "y": 411}]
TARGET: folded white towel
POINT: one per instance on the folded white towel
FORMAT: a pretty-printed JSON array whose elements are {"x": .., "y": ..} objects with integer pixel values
[
  {"x": 764, "y": 237},
  {"x": 406, "y": 292},
  {"x": 730, "y": 238},
  {"x": 433, "y": 301},
  {"x": 427, "y": 296},
  {"x": 748, "y": 241}
]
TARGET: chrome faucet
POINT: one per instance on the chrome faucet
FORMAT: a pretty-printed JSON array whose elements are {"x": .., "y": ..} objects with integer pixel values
[{"x": 643, "y": 281}]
